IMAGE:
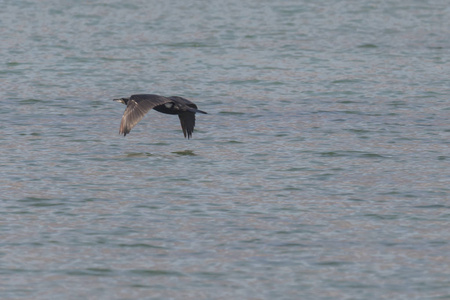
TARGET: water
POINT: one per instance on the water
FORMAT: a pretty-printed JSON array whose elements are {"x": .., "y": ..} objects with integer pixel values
[{"x": 320, "y": 172}]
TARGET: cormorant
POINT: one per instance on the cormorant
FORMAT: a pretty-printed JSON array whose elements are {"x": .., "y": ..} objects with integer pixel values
[{"x": 139, "y": 105}]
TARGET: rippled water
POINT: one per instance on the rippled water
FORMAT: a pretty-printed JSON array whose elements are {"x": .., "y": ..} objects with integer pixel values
[{"x": 320, "y": 172}]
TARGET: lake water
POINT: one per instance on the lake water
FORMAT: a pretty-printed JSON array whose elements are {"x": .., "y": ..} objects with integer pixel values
[{"x": 321, "y": 171}]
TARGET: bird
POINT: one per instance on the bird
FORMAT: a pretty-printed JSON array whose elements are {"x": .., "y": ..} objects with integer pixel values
[{"x": 139, "y": 105}]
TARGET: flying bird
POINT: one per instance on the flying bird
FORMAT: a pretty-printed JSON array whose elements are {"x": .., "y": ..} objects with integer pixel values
[{"x": 139, "y": 105}]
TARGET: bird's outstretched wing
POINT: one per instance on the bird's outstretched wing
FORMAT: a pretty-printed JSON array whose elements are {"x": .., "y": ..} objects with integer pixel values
[
  {"x": 187, "y": 116},
  {"x": 187, "y": 120},
  {"x": 137, "y": 107}
]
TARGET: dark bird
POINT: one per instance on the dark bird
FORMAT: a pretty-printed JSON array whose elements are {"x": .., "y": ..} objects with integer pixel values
[{"x": 139, "y": 105}]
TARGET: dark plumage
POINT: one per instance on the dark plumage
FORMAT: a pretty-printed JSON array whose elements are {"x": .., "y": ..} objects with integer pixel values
[{"x": 139, "y": 105}]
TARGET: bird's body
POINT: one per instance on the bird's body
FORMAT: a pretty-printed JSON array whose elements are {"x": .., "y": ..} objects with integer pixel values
[{"x": 139, "y": 105}]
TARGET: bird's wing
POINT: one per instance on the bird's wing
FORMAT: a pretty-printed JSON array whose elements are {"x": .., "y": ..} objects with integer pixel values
[
  {"x": 137, "y": 107},
  {"x": 187, "y": 120}
]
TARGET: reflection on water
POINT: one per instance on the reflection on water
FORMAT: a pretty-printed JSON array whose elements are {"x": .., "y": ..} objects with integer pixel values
[
  {"x": 139, "y": 154},
  {"x": 185, "y": 152}
]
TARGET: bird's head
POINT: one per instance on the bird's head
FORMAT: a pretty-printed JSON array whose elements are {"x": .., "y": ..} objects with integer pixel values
[{"x": 122, "y": 100}]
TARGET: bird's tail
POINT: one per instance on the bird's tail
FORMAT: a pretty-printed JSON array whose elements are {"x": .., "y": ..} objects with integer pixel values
[{"x": 194, "y": 110}]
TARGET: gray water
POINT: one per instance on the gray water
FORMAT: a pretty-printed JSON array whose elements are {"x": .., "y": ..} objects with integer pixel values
[{"x": 321, "y": 170}]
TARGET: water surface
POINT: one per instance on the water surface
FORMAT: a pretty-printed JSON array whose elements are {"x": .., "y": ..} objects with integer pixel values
[{"x": 320, "y": 172}]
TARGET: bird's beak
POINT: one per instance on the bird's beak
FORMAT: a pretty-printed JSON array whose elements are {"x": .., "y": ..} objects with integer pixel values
[{"x": 118, "y": 100}]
